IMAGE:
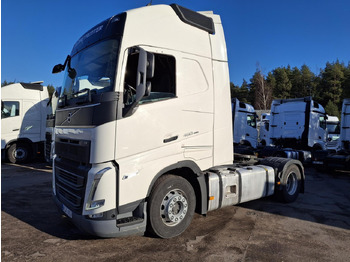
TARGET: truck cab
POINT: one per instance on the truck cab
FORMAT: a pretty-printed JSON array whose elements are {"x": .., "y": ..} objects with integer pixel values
[
  {"x": 341, "y": 159},
  {"x": 129, "y": 111},
  {"x": 244, "y": 124},
  {"x": 143, "y": 128},
  {"x": 345, "y": 126},
  {"x": 264, "y": 129},
  {"x": 23, "y": 115},
  {"x": 333, "y": 131},
  {"x": 298, "y": 123}
]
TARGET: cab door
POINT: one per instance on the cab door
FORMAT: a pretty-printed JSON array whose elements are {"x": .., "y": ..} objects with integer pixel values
[{"x": 10, "y": 121}]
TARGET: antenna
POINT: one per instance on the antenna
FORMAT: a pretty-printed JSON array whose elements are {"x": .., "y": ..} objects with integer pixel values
[{"x": 150, "y": 3}]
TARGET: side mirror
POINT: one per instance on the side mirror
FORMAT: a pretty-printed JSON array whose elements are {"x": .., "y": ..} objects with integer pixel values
[
  {"x": 150, "y": 65},
  {"x": 72, "y": 73},
  {"x": 148, "y": 89},
  {"x": 58, "y": 68},
  {"x": 145, "y": 70}
]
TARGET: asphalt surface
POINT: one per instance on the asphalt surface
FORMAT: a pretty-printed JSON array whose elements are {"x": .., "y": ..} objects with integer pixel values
[{"x": 314, "y": 228}]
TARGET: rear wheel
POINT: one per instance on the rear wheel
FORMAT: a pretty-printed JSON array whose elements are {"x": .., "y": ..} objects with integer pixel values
[
  {"x": 18, "y": 153},
  {"x": 290, "y": 181},
  {"x": 171, "y": 206}
]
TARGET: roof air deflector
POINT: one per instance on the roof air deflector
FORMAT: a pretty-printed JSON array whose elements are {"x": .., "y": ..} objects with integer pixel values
[{"x": 194, "y": 19}]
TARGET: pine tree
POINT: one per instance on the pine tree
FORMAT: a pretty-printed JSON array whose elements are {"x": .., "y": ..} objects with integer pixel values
[{"x": 283, "y": 85}]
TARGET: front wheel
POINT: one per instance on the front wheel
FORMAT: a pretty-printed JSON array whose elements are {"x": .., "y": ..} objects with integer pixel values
[
  {"x": 291, "y": 183},
  {"x": 18, "y": 153},
  {"x": 171, "y": 206}
]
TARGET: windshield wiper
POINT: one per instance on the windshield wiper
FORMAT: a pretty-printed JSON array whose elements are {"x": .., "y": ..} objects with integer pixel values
[
  {"x": 89, "y": 91},
  {"x": 81, "y": 91}
]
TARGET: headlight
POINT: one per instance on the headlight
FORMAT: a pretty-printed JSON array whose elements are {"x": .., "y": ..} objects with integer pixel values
[{"x": 96, "y": 203}]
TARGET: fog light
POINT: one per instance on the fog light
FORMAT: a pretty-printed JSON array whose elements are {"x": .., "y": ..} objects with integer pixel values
[{"x": 99, "y": 215}]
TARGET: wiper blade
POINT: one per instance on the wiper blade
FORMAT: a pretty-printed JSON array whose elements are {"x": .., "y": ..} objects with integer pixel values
[
  {"x": 81, "y": 91},
  {"x": 89, "y": 91}
]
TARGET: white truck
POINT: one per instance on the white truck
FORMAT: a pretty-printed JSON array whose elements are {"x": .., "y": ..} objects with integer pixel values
[
  {"x": 341, "y": 158},
  {"x": 244, "y": 124},
  {"x": 50, "y": 125},
  {"x": 264, "y": 129},
  {"x": 143, "y": 132},
  {"x": 23, "y": 116},
  {"x": 298, "y": 123},
  {"x": 333, "y": 129}
]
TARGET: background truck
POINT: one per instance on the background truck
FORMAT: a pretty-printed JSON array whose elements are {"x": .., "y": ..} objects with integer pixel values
[
  {"x": 23, "y": 117},
  {"x": 333, "y": 129},
  {"x": 143, "y": 131},
  {"x": 298, "y": 123},
  {"x": 341, "y": 158},
  {"x": 264, "y": 129},
  {"x": 244, "y": 124},
  {"x": 50, "y": 125}
]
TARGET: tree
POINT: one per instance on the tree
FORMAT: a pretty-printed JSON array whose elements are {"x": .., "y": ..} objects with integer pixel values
[
  {"x": 50, "y": 89},
  {"x": 241, "y": 93},
  {"x": 332, "y": 78},
  {"x": 346, "y": 82},
  {"x": 283, "y": 85},
  {"x": 262, "y": 94},
  {"x": 332, "y": 109},
  {"x": 307, "y": 81},
  {"x": 5, "y": 83},
  {"x": 296, "y": 81}
]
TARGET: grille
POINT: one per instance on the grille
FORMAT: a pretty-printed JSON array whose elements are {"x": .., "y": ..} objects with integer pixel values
[{"x": 71, "y": 173}]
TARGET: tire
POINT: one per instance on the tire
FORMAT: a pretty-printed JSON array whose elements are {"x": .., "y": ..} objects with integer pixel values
[
  {"x": 18, "y": 153},
  {"x": 291, "y": 183},
  {"x": 171, "y": 206}
]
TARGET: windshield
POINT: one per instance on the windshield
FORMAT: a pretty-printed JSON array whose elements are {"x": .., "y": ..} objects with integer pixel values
[
  {"x": 333, "y": 127},
  {"x": 94, "y": 70}
]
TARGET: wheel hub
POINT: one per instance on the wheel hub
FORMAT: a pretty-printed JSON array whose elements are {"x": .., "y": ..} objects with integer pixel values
[
  {"x": 292, "y": 183},
  {"x": 174, "y": 208},
  {"x": 19, "y": 153}
]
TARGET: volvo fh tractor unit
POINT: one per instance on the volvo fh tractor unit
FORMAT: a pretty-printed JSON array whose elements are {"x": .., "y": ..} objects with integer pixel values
[{"x": 143, "y": 130}]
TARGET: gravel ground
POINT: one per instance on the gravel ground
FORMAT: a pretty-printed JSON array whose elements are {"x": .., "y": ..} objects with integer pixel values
[{"x": 314, "y": 228}]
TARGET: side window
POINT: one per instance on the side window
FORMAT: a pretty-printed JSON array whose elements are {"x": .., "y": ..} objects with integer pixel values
[
  {"x": 267, "y": 126},
  {"x": 9, "y": 109},
  {"x": 162, "y": 83},
  {"x": 323, "y": 123},
  {"x": 251, "y": 121}
]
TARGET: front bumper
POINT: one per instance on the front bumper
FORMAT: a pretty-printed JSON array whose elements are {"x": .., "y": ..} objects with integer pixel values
[{"x": 101, "y": 228}]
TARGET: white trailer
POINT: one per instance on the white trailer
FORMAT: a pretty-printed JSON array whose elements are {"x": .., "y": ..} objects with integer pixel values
[
  {"x": 244, "y": 124},
  {"x": 298, "y": 123},
  {"x": 143, "y": 132},
  {"x": 23, "y": 116}
]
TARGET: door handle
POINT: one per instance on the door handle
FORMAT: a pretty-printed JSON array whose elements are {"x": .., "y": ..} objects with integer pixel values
[
  {"x": 167, "y": 140},
  {"x": 15, "y": 129},
  {"x": 247, "y": 134}
]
